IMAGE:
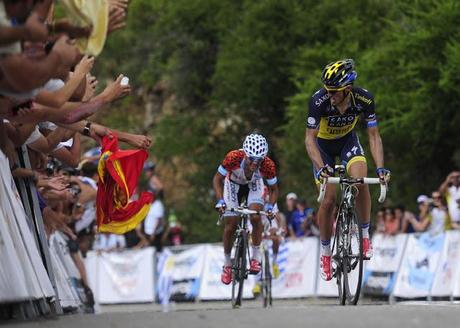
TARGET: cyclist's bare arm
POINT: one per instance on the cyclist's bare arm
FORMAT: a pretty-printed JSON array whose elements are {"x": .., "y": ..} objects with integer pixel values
[
  {"x": 312, "y": 148},
  {"x": 274, "y": 192},
  {"x": 376, "y": 145},
  {"x": 218, "y": 185}
]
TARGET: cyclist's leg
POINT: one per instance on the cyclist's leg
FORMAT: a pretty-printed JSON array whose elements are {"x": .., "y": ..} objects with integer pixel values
[
  {"x": 326, "y": 210},
  {"x": 255, "y": 202},
  {"x": 353, "y": 157},
  {"x": 230, "y": 220}
]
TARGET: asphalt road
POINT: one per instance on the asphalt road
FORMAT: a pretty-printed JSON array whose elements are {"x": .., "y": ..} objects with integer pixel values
[{"x": 292, "y": 313}]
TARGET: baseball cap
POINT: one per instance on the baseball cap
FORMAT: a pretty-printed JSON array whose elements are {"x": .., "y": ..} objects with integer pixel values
[
  {"x": 422, "y": 199},
  {"x": 291, "y": 195}
]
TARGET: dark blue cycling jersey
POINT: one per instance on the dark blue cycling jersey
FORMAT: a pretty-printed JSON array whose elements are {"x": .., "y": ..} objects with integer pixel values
[{"x": 333, "y": 125}]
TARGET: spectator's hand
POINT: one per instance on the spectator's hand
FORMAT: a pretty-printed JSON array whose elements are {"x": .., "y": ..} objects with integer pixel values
[
  {"x": 117, "y": 19},
  {"x": 139, "y": 141},
  {"x": 91, "y": 83},
  {"x": 84, "y": 66},
  {"x": 115, "y": 90},
  {"x": 56, "y": 183},
  {"x": 36, "y": 28},
  {"x": 453, "y": 176},
  {"x": 67, "y": 51},
  {"x": 121, "y": 4}
]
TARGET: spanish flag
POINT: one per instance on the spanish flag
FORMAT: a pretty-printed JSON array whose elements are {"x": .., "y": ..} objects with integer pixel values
[{"x": 119, "y": 171}]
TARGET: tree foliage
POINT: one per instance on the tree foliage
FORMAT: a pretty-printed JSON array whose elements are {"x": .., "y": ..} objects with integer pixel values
[{"x": 230, "y": 67}]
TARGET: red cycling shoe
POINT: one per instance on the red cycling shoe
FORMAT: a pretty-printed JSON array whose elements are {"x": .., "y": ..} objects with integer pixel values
[
  {"x": 325, "y": 267},
  {"x": 254, "y": 267},
  {"x": 226, "y": 276},
  {"x": 367, "y": 249}
]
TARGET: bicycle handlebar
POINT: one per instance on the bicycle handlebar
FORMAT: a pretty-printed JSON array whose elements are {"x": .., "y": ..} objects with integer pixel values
[
  {"x": 243, "y": 211},
  {"x": 351, "y": 181},
  {"x": 246, "y": 211}
]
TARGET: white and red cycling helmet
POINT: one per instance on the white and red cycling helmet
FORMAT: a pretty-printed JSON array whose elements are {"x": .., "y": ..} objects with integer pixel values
[{"x": 255, "y": 146}]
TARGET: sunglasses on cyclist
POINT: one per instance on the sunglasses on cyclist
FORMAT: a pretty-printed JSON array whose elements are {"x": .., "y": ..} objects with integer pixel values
[
  {"x": 333, "y": 91},
  {"x": 255, "y": 159}
]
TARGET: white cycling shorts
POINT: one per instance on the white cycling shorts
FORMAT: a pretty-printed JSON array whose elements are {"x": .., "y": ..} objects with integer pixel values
[{"x": 233, "y": 194}]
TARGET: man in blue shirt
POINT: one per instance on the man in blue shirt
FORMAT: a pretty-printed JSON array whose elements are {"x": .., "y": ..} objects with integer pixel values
[{"x": 301, "y": 220}]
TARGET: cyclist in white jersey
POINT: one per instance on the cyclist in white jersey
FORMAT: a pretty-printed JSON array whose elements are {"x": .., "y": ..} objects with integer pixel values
[{"x": 241, "y": 175}]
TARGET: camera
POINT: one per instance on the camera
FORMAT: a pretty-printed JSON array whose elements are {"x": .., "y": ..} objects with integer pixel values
[
  {"x": 75, "y": 190},
  {"x": 51, "y": 167}
]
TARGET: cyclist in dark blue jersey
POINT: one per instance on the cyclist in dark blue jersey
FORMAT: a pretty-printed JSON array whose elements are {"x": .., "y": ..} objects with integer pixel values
[{"x": 333, "y": 113}]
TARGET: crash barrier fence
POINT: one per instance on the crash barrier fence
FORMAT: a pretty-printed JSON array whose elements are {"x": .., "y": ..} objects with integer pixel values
[
  {"x": 37, "y": 274},
  {"x": 405, "y": 266}
]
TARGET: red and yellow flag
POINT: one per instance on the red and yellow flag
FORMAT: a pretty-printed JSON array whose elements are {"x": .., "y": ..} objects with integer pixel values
[{"x": 119, "y": 171}]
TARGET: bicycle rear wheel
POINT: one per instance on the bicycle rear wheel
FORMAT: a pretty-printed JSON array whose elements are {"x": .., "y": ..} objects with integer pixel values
[
  {"x": 239, "y": 269},
  {"x": 266, "y": 280},
  {"x": 352, "y": 259}
]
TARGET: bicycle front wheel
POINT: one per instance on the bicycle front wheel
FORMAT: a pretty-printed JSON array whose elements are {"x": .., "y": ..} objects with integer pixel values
[
  {"x": 266, "y": 280},
  {"x": 352, "y": 259},
  {"x": 239, "y": 269},
  {"x": 337, "y": 258}
]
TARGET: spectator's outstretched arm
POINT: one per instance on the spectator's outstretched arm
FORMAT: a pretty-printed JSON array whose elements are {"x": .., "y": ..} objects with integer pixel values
[
  {"x": 97, "y": 131},
  {"x": 59, "y": 97},
  {"x": 69, "y": 156},
  {"x": 21, "y": 74},
  {"x": 33, "y": 30},
  {"x": 425, "y": 219}
]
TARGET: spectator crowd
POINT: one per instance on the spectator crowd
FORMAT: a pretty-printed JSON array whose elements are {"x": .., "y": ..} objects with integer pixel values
[
  {"x": 436, "y": 213},
  {"x": 48, "y": 96}
]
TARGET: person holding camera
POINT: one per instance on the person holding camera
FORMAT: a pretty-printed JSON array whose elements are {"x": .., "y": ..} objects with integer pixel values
[
  {"x": 434, "y": 217},
  {"x": 450, "y": 189}
]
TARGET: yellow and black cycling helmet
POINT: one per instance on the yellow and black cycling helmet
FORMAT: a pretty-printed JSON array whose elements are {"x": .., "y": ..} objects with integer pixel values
[{"x": 339, "y": 74}]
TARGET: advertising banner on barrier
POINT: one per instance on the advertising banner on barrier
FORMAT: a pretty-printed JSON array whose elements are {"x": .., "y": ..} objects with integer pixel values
[
  {"x": 418, "y": 266},
  {"x": 456, "y": 283},
  {"x": 123, "y": 277},
  {"x": 298, "y": 265},
  {"x": 381, "y": 270},
  {"x": 211, "y": 287},
  {"x": 444, "y": 279},
  {"x": 68, "y": 295},
  {"x": 186, "y": 273}
]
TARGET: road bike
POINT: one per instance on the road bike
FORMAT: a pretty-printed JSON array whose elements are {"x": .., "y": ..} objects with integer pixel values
[
  {"x": 347, "y": 247},
  {"x": 240, "y": 269}
]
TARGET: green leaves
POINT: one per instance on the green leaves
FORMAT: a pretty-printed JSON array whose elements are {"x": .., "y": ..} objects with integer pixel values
[{"x": 228, "y": 67}]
